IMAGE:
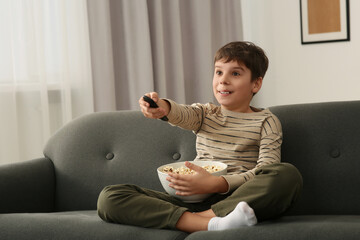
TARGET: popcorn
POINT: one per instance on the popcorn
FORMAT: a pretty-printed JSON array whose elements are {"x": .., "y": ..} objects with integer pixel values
[{"x": 188, "y": 171}]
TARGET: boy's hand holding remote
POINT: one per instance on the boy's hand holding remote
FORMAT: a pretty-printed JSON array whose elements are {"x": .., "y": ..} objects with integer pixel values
[{"x": 155, "y": 113}]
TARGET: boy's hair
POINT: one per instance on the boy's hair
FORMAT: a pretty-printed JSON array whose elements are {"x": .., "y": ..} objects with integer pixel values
[{"x": 252, "y": 56}]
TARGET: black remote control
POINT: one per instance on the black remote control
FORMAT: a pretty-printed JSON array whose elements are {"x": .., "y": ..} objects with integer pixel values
[{"x": 153, "y": 105}]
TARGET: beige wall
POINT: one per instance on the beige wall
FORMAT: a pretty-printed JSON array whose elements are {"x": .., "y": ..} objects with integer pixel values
[{"x": 301, "y": 73}]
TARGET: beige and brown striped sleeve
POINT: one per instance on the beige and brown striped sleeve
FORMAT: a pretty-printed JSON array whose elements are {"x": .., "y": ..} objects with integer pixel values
[
  {"x": 189, "y": 117},
  {"x": 270, "y": 143}
]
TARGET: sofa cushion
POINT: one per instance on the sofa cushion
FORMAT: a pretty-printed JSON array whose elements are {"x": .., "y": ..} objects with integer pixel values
[
  {"x": 326, "y": 227},
  {"x": 108, "y": 148},
  {"x": 323, "y": 141},
  {"x": 74, "y": 225}
]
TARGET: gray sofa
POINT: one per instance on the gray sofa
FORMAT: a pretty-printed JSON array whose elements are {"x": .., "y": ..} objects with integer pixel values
[{"x": 54, "y": 197}]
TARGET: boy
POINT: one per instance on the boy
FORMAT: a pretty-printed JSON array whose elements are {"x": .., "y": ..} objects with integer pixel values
[{"x": 257, "y": 186}]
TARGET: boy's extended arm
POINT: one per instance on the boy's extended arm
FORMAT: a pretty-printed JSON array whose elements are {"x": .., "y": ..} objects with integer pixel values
[{"x": 189, "y": 117}]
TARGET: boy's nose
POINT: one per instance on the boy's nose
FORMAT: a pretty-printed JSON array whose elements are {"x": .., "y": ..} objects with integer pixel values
[{"x": 224, "y": 81}]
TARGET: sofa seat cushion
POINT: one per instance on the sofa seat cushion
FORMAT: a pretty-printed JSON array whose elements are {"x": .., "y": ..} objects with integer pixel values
[
  {"x": 73, "y": 225},
  {"x": 293, "y": 227}
]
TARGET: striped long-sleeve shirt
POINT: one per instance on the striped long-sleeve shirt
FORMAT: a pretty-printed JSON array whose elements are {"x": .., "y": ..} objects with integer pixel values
[{"x": 244, "y": 141}]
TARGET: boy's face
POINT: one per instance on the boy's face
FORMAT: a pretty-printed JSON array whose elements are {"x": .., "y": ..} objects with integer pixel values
[{"x": 232, "y": 86}]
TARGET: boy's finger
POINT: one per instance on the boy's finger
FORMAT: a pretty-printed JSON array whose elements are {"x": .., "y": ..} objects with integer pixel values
[
  {"x": 175, "y": 175},
  {"x": 180, "y": 177},
  {"x": 142, "y": 102},
  {"x": 154, "y": 96},
  {"x": 194, "y": 167},
  {"x": 183, "y": 193}
]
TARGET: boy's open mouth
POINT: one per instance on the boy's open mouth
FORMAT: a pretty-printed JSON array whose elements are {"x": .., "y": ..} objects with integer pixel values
[{"x": 224, "y": 92}]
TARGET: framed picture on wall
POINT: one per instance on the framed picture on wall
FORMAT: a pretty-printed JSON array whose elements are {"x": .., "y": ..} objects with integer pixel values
[{"x": 324, "y": 21}]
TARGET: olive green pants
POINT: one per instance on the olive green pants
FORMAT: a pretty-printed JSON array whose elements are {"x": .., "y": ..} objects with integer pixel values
[{"x": 271, "y": 192}]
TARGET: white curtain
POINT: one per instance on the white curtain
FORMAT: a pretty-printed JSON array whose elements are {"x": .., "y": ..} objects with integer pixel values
[
  {"x": 158, "y": 45},
  {"x": 45, "y": 72}
]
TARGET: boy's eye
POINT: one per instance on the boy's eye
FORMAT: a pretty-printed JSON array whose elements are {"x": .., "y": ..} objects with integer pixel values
[
  {"x": 236, "y": 74},
  {"x": 218, "y": 72}
]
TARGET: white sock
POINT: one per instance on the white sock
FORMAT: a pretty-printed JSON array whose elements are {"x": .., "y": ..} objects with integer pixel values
[{"x": 242, "y": 215}]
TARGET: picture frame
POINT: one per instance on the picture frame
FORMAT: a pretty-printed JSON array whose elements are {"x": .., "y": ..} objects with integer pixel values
[{"x": 324, "y": 21}]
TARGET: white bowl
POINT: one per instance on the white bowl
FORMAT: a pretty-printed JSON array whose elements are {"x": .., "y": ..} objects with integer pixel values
[{"x": 193, "y": 198}]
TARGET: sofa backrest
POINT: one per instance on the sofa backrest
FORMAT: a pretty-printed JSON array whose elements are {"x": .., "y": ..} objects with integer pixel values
[
  {"x": 102, "y": 149},
  {"x": 323, "y": 141}
]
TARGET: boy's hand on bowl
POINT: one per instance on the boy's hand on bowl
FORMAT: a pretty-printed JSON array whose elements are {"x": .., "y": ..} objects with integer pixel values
[{"x": 199, "y": 183}]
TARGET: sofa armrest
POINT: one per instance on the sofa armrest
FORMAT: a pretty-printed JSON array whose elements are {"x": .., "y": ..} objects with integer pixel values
[{"x": 27, "y": 186}]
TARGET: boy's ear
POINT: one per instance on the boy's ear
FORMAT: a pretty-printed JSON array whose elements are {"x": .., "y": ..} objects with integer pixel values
[{"x": 257, "y": 85}]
